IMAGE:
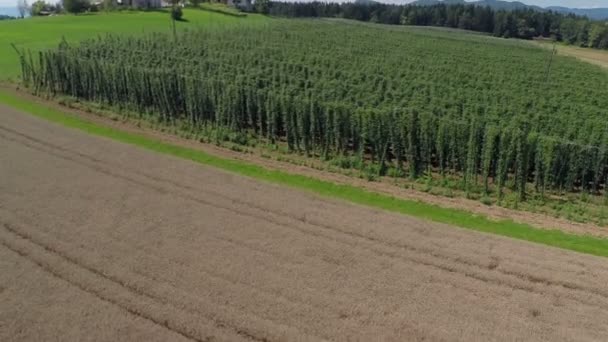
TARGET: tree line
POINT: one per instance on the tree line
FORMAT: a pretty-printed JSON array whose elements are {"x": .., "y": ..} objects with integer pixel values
[{"x": 520, "y": 23}]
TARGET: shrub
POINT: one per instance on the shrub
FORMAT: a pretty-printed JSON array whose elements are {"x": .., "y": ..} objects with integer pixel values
[
  {"x": 75, "y": 6},
  {"x": 176, "y": 13}
]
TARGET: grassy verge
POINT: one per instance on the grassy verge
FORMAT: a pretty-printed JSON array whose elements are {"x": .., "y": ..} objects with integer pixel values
[
  {"x": 593, "y": 56},
  {"x": 583, "y": 244},
  {"x": 221, "y": 8}
]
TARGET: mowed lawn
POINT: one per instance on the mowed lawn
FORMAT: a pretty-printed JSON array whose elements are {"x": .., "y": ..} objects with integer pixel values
[{"x": 40, "y": 33}]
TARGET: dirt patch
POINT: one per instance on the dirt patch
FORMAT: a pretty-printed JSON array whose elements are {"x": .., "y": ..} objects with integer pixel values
[
  {"x": 593, "y": 56},
  {"x": 109, "y": 241},
  {"x": 384, "y": 186}
]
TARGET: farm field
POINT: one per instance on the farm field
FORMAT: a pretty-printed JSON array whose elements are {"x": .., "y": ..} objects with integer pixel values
[
  {"x": 497, "y": 120},
  {"x": 106, "y": 234},
  {"x": 597, "y": 57},
  {"x": 43, "y": 33},
  {"x": 101, "y": 240}
]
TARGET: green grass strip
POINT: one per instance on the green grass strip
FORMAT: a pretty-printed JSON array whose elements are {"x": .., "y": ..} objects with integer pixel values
[{"x": 580, "y": 243}]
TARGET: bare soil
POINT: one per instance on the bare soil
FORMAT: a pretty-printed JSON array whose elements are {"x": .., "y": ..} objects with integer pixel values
[
  {"x": 384, "y": 185},
  {"x": 593, "y": 56},
  {"x": 104, "y": 241}
]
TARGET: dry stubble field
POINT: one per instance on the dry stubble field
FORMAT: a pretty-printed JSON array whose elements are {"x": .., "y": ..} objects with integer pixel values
[{"x": 104, "y": 241}]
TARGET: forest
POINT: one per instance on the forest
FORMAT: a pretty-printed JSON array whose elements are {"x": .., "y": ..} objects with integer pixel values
[
  {"x": 522, "y": 23},
  {"x": 499, "y": 114}
]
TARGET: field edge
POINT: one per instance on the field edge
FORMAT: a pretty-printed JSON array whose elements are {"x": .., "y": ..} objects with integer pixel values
[{"x": 460, "y": 218}]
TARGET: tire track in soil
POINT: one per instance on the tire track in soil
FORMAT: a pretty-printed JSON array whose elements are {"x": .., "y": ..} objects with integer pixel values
[
  {"x": 525, "y": 282},
  {"x": 51, "y": 262},
  {"x": 162, "y": 295},
  {"x": 407, "y": 283},
  {"x": 182, "y": 328}
]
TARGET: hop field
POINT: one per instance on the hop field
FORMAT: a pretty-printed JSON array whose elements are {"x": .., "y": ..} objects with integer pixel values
[{"x": 501, "y": 114}]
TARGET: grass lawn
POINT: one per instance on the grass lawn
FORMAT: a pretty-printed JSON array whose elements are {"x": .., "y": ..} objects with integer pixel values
[{"x": 44, "y": 32}]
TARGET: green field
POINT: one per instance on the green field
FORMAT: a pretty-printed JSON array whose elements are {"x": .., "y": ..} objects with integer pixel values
[
  {"x": 583, "y": 244},
  {"x": 412, "y": 103},
  {"x": 316, "y": 88},
  {"x": 45, "y": 32}
]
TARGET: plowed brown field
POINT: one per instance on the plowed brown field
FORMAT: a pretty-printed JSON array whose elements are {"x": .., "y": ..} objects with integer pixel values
[{"x": 104, "y": 241}]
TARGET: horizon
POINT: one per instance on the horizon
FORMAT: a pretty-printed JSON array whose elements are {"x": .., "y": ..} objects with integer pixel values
[{"x": 584, "y": 4}]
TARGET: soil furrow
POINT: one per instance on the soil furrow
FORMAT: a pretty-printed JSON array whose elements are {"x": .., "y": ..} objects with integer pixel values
[
  {"x": 166, "y": 296},
  {"x": 217, "y": 256},
  {"x": 163, "y": 297},
  {"x": 525, "y": 281},
  {"x": 47, "y": 266}
]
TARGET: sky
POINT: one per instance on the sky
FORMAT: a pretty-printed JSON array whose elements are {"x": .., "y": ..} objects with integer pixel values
[
  {"x": 542, "y": 3},
  {"x": 566, "y": 3}
]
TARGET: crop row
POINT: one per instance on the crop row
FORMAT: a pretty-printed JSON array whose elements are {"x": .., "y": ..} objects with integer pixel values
[{"x": 500, "y": 113}]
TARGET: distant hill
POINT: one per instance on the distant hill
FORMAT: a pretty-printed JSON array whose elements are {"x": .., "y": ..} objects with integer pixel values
[
  {"x": 366, "y": 2},
  {"x": 437, "y": 2},
  {"x": 506, "y": 5},
  {"x": 494, "y": 4},
  {"x": 591, "y": 13}
]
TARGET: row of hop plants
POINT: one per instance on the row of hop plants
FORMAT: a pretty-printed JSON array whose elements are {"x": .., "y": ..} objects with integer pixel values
[{"x": 484, "y": 111}]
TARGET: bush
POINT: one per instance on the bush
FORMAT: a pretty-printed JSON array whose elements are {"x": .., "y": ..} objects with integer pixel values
[
  {"x": 486, "y": 201},
  {"x": 262, "y": 6},
  {"x": 37, "y": 8},
  {"x": 75, "y": 6},
  {"x": 176, "y": 13},
  {"x": 42, "y": 8}
]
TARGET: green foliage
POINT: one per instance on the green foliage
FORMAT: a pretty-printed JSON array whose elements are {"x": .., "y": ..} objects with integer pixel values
[
  {"x": 109, "y": 5},
  {"x": 598, "y": 36},
  {"x": 176, "y": 13},
  {"x": 222, "y": 8},
  {"x": 581, "y": 243},
  {"x": 262, "y": 6},
  {"x": 486, "y": 201},
  {"x": 195, "y": 3},
  {"x": 516, "y": 23},
  {"x": 40, "y": 7},
  {"x": 481, "y": 111},
  {"x": 75, "y": 6},
  {"x": 37, "y": 7}
]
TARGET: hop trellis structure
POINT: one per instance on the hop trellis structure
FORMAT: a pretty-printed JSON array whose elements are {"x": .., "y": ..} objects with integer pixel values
[{"x": 420, "y": 101}]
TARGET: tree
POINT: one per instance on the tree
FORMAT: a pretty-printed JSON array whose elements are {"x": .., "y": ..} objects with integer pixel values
[
  {"x": 75, "y": 6},
  {"x": 569, "y": 30},
  {"x": 195, "y": 3},
  {"x": 23, "y": 8},
  {"x": 582, "y": 38},
  {"x": 176, "y": 13},
  {"x": 262, "y": 6},
  {"x": 598, "y": 36},
  {"x": 38, "y": 7}
]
